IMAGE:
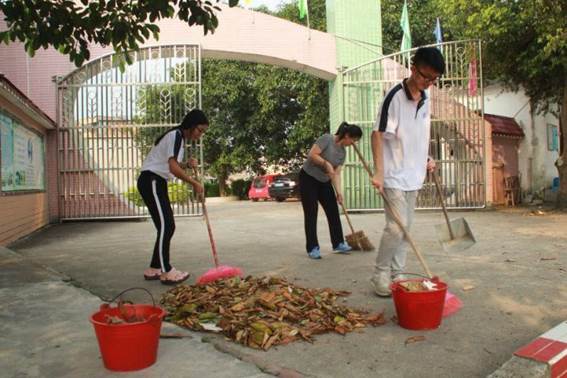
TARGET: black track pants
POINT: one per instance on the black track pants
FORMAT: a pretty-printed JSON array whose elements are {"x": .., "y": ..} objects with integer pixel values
[
  {"x": 153, "y": 189},
  {"x": 312, "y": 192}
]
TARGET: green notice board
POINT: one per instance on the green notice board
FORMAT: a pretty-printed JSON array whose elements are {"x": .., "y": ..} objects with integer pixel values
[{"x": 23, "y": 156}]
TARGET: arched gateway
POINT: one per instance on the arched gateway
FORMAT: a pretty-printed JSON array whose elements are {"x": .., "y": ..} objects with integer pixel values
[{"x": 107, "y": 119}]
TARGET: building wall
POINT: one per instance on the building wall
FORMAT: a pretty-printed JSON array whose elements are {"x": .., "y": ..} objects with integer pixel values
[
  {"x": 535, "y": 161},
  {"x": 25, "y": 212}
]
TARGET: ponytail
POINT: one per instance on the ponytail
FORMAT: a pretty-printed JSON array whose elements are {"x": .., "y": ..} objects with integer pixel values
[
  {"x": 192, "y": 119},
  {"x": 351, "y": 130}
]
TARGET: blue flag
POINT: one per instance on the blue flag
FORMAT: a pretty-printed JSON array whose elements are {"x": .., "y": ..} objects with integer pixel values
[{"x": 438, "y": 33}]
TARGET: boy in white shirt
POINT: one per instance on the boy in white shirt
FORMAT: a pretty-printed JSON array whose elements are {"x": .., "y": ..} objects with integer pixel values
[{"x": 400, "y": 143}]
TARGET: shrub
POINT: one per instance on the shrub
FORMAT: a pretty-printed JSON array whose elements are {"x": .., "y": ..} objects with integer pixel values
[
  {"x": 134, "y": 196},
  {"x": 240, "y": 188},
  {"x": 178, "y": 193},
  {"x": 212, "y": 189}
]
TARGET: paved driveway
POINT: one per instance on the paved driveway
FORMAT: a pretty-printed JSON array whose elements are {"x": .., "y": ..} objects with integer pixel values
[{"x": 516, "y": 274}]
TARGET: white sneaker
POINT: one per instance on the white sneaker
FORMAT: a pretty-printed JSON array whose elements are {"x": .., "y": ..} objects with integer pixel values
[{"x": 381, "y": 284}]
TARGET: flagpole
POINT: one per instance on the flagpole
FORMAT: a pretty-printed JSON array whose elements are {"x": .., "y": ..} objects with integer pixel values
[{"x": 308, "y": 26}]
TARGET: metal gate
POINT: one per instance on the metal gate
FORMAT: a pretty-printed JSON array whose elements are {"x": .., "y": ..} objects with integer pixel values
[
  {"x": 457, "y": 126},
  {"x": 108, "y": 120}
]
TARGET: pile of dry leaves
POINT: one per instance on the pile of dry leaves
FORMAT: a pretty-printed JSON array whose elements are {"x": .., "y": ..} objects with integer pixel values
[{"x": 263, "y": 312}]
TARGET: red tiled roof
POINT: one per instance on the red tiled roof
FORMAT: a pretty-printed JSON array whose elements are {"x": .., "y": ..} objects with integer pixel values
[{"x": 504, "y": 125}]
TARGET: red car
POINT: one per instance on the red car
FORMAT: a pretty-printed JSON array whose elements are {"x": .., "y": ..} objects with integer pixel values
[{"x": 259, "y": 188}]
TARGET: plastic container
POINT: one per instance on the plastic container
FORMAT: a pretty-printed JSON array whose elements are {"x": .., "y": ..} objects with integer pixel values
[
  {"x": 419, "y": 310},
  {"x": 128, "y": 346}
]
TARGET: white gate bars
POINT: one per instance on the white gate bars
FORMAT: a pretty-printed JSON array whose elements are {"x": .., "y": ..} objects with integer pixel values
[
  {"x": 457, "y": 127},
  {"x": 108, "y": 121}
]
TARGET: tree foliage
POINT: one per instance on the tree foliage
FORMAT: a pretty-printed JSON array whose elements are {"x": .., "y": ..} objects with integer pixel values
[
  {"x": 260, "y": 114},
  {"x": 71, "y": 26},
  {"x": 525, "y": 42}
]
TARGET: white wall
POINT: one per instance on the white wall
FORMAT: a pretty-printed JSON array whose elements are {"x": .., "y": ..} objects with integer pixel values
[{"x": 536, "y": 162}]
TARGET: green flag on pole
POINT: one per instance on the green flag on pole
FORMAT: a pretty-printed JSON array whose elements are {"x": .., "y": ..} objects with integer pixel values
[
  {"x": 404, "y": 23},
  {"x": 303, "y": 11}
]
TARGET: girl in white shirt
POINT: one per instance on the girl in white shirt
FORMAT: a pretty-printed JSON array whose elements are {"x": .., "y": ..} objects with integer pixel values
[{"x": 162, "y": 163}]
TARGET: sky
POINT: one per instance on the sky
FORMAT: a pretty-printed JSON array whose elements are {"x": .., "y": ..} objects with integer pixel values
[{"x": 271, "y": 4}]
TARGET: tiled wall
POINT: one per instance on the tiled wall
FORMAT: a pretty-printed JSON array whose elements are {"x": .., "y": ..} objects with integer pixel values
[{"x": 25, "y": 212}]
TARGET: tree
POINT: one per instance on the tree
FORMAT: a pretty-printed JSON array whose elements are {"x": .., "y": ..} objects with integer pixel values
[
  {"x": 261, "y": 114},
  {"x": 232, "y": 143},
  {"x": 525, "y": 45},
  {"x": 70, "y": 26}
]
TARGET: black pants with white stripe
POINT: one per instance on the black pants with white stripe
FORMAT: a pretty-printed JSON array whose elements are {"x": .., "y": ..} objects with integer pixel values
[
  {"x": 314, "y": 192},
  {"x": 153, "y": 189}
]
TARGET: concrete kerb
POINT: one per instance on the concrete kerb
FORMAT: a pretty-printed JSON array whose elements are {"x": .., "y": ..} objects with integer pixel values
[{"x": 518, "y": 367}]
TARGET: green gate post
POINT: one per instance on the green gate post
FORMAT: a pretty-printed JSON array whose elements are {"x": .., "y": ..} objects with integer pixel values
[{"x": 357, "y": 26}]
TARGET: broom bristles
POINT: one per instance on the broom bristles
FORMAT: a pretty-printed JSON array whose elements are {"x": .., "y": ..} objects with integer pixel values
[
  {"x": 366, "y": 244},
  {"x": 359, "y": 241},
  {"x": 352, "y": 240},
  {"x": 218, "y": 273},
  {"x": 452, "y": 304}
]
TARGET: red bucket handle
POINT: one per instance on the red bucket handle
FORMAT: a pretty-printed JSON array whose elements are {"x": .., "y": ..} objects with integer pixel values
[
  {"x": 107, "y": 305},
  {"x": 432, "y": 279}
]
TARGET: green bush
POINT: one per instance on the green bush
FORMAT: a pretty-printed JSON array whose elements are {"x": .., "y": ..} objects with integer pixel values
[
  {"x": 240, "y": 188},
  {"x": 178, "y": 193},
  {"x": 212, "y": 189},
  {"x": 134, "y": 196}
]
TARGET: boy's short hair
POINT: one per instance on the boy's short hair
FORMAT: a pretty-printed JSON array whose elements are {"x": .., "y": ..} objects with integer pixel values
[{"x": 429, "y": 56}]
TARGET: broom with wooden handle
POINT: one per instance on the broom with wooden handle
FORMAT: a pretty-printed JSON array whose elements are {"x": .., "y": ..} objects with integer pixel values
[
  {"x": 219, "y": 271},
  {"x": 452, "y": 302},
  {"x": 396, "y": 218},
  {"x": 356, "y": 239}
]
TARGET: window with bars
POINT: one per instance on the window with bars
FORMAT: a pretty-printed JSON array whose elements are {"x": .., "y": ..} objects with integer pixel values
[{"x": 552, "y": 137}]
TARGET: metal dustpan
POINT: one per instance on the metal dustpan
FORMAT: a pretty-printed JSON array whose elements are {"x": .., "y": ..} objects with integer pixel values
[{"x": 456, "y": 235}]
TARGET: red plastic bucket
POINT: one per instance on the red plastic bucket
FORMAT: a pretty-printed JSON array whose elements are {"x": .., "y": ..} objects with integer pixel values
[
  {"x": 419, "y": 310},
  {"x": 128, "y": 346}
]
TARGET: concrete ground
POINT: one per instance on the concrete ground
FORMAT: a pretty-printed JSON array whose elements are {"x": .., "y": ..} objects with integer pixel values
[
  {"x": 45, "y": 332},
  {"x": 512, "y": 283}
]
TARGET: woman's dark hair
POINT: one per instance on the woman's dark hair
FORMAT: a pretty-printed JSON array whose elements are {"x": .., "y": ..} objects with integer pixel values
[
  {"x": 353, "y": 131},
  {"x": 431, "y": 57},
  {"x": 190, "y": 121}
]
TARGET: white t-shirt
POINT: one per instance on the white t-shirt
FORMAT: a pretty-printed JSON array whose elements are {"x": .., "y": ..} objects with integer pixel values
[
  {"x": 406, "y": 124},
  {"x": 171, "y": 145}
]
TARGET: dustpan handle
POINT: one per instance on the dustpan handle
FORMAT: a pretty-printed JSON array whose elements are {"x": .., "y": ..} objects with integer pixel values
[
  {"x": 395, "y": 216},
  {"x": 438, "y": 186}
]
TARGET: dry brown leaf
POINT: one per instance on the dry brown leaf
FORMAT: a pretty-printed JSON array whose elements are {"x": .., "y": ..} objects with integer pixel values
[
  {"x": 263, "y": 312},
  {"x": 548, "y": 258},
  {"x": 414, "y": 339}
]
